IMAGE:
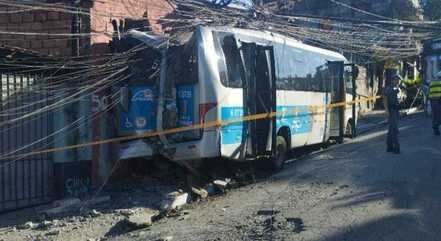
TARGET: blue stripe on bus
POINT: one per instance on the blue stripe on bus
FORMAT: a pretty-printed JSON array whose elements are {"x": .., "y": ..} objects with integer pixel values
[
  {"x": 232, "y": 133},
  {"x": 297, "y": 118}
]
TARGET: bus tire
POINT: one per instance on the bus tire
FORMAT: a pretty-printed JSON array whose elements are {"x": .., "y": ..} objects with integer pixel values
[
  {"x": 349, "y": 131},
  {"x": 281, "y": 153},
  {"x": 340, "y": 140}
]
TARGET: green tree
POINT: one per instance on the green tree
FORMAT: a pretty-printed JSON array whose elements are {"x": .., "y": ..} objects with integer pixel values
[{"x": 432, "y": 9}]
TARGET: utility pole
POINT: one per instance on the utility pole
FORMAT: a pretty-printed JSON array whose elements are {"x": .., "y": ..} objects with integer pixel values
[{"x": 76, "y": 29}]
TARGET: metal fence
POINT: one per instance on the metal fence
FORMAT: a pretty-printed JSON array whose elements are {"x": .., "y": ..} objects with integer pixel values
[{"x": 23, "y": 128}]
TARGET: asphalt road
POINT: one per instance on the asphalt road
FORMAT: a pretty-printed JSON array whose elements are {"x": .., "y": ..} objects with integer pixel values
[{"x": 354, "y": 191}]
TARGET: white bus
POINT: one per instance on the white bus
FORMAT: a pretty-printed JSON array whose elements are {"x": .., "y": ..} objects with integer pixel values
[{"x": 223, "y": 74}]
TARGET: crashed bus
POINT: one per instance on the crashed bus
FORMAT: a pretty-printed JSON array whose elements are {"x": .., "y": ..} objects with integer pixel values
[{"x": 267, "y": 93}]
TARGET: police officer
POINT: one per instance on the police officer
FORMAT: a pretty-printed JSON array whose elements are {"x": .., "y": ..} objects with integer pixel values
[
  {"x": 392, "y": 104},
  {"x": 435, "y": 100}
]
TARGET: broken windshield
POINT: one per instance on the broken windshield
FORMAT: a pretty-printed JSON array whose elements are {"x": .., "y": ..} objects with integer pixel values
[{"x": 182, "y": 75}]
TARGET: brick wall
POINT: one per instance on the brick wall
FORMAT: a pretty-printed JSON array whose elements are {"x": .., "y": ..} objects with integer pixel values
[
  {"x": 150, "y": 10},
  {"x": 101, "y": 14},
  {"x": 36, "y": 22}
]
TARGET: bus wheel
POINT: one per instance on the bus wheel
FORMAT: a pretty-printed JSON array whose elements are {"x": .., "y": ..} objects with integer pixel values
[
  {"x": 349, "y": 131},
  {"x": 281, "y": 154}
]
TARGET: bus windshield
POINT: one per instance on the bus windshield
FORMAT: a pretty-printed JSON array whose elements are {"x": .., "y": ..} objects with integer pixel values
[{"x": 182, "y": 77}]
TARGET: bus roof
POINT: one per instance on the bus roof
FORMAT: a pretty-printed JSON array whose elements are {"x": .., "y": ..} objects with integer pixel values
[{"x": 274, "y": 37}]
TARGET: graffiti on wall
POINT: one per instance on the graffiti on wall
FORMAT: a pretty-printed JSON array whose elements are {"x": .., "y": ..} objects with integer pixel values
[{"x": 77, "y": 186}]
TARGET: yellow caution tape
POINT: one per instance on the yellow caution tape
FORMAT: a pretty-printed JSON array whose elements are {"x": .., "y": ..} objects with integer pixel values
[{"x": 210, "y": 124}]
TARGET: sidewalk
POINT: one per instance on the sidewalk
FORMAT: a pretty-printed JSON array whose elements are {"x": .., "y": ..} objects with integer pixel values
[{"x": 378, "y": 118}]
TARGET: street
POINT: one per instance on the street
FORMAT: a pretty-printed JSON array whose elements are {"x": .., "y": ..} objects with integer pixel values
[
  {"x": 213, "y": 120},
  {"x": 355, "y": 191}
]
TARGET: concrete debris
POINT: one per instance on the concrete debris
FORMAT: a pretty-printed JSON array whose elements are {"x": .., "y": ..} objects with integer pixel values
[
  {"x": 221, "y": 184},
  {"x": 297, "y": 224},
  {"x": 62, "y": 206},
  {"x": 267, "y": 212},
  {"x": 168, "y": 238},
  {"x": 29, "y": 225},
  {"x": 94, "y": 213},
  {"x": 53, "y": 233},
  {"x": 57, "y": 223},
  {"x": 174, "y": 200},
  {"x": 200, "y": 192},
  {"x": 142, "y": 219},
  {"x": 126, "y": 212},
  {"x": 46, "y": 224}
]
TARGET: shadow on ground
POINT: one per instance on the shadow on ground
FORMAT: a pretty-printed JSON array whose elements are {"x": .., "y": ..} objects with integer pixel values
[{"x": 410, "y": 182}]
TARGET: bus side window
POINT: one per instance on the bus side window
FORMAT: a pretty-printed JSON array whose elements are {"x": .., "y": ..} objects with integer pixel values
[
  {"x": 230, "y": 62},
  {"x": 300, "y": 70},
  {"x": 347, "y": 75}
]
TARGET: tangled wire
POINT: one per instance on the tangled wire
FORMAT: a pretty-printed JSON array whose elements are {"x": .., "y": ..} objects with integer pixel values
[{"x": 220, "y": 3}]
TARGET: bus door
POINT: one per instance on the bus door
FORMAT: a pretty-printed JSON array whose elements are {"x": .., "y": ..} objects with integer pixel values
[
  {"x": 350, "y": 79},
  {"x": 259, "y": 97},
  {"x": 338, "y": 97}
]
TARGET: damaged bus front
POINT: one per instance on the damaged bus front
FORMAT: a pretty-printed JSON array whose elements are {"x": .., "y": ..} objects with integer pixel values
[
  {"x": 137, "y": 112},
  {"x": 188, "y": 102}
]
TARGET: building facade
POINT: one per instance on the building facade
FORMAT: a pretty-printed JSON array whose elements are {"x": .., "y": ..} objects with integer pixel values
[
  {"x": 47, "y": 31},
  {"x": 63, "y": 30}
]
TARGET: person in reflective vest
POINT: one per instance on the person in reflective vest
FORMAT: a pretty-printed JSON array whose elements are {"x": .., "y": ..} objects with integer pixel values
[
  {"x": 392, "y": 104},
  {"x": 435, "y": 100}
]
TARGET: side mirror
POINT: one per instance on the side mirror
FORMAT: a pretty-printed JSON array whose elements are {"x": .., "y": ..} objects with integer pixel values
[{"x": 125, "y": 98}]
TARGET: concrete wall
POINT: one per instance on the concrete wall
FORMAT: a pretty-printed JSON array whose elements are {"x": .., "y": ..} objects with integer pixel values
[{"x": 77, "y": 164}]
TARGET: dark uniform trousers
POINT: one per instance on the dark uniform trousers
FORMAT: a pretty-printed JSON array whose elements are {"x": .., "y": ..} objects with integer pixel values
[
  {"x": 393, "y": 105},
  {"x": 392, "y": 134}
]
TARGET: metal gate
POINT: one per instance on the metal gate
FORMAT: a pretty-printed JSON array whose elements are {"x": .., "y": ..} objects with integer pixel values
[{"x": 24, "y": 127}]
